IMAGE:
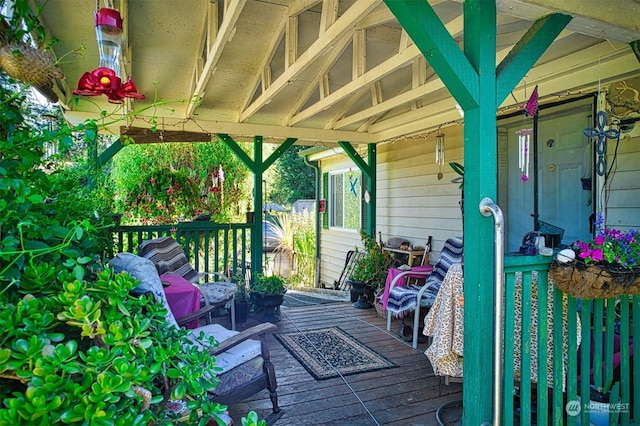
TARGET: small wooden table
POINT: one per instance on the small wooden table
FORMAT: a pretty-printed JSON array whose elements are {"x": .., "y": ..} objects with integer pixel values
[{"x": 413, "y": 254}]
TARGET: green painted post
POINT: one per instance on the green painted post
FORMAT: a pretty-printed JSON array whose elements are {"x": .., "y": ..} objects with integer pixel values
[
  {"x": 256, "y": 236},
  {"x": 480, "y": 181},
  {"x": 257, "y": 166},
  {"x": 372, "y": 189},
  {"x": 479, "y": 88}
]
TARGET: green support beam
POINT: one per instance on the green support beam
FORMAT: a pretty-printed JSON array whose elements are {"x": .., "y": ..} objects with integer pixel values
[
  {"x": 257, "y": 166},
  {"x": 368, "y": 169},
  {"x": 109, "y": 153},
  {"x": 526, "y": 53},
  {"x": 480, "y": 181},
  {"x": 479, "y": 88},
  {"x": 440, "y": 50}
]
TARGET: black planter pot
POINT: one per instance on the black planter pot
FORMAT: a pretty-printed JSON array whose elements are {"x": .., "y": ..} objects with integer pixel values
[
  {"x": 242, "y": 310},
  {"x": 270, "y": 304},
  {"x": 361, "y": 293}
]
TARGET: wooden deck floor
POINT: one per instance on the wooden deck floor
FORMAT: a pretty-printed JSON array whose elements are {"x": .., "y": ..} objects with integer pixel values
[{"x": 407, "y": 395}]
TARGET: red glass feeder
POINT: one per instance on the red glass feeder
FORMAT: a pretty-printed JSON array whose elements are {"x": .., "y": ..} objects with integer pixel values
[{"x": 105, "y": 80}]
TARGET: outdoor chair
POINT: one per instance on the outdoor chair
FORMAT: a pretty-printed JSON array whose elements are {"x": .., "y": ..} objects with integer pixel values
[
  {"x": 404, "y": 299},
  {"x": 169, "y": 258},
  {"x": 242, "y": 357}
]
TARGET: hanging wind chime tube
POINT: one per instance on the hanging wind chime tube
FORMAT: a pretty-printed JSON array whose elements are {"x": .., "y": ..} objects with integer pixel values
[
  {"x": 440, "y": 153},
  {"x": 440, "y": 149},
  {"x": 107, "y": 78},
  {"x": 524, "y": 144}
]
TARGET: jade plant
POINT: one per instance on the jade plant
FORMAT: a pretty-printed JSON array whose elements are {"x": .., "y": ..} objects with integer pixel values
[{"x": 77, "y": 345}]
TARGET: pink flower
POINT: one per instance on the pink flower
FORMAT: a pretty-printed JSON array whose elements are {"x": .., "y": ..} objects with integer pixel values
[{"x": 597, "y": 255}]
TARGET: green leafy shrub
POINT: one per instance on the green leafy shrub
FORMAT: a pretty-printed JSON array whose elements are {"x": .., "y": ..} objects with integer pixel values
[
  {"x": 373, "y": 265},
  {"x": 272, "y": 284},
  {"x": 76, "y": 345},
  {"x": 165, "y": 183}
]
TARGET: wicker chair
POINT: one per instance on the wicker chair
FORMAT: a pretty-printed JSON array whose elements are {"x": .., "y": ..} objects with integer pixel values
[
  {"x": 243, "y": 357},
  {"x": 169, "y": 258}
]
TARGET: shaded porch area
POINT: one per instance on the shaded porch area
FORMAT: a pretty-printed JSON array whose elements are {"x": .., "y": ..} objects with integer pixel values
[{"x": 407, "y": 394}]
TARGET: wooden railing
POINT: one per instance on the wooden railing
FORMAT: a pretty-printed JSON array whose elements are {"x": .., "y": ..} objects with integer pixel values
[
  {"x": 558, "y": 350},
  {"x": 210, "y": 247}
]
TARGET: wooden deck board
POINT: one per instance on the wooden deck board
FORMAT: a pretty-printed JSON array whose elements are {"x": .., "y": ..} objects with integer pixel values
[{"x": 406, "y": 395}]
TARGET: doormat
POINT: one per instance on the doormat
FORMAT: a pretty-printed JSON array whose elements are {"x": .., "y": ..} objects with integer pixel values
[
  {"x": 330, "y": 352},
  {"x": 294, "y": 300}
]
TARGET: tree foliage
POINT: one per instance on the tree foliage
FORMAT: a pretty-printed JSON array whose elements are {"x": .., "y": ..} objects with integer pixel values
[
  {"x": 293, "y": 179},
  {"x": 165, "y": 183}
]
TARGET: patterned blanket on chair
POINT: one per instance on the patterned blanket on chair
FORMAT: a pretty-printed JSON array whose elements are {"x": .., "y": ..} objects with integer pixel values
[{"x": 404, "y": 299}]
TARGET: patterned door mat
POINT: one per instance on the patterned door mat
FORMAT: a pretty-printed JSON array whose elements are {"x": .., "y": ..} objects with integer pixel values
[
  {"x": 294, "y": 299},
  {"x": 331, "y": 352}
]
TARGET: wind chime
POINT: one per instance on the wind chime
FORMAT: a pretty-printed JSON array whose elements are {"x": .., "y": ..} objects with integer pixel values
[
  {"x": 440, "y": 153},
  {"x": 107, "y": 78},
  {"x": 524, "y": 143},
  {"x": 524, "y": 136}
]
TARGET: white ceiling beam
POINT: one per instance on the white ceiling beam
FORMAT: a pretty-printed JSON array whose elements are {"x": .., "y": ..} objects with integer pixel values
[
  {"x": 411, "y": 95},
  {"x": 359, "y": 52},
  {"x": 322, "y": 68},
  {"x": 291, "y": 41},
  {"x": 392, "y": 64},
  {"x": 343, "y": 26},
  {"x": 610, "y": 19},
  {"x": 227, "y": 29},
  {"x": 264, "y": 77},
  {"x": 299, "y": 6}
]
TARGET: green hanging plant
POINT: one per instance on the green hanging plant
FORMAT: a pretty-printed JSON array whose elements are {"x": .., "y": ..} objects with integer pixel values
[{"x": 459, "y": 169}]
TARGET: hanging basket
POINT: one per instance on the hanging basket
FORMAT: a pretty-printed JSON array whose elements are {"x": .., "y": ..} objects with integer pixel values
[
  {"x": 31, "y": 65},
  {"x": 594, "y": 281}
]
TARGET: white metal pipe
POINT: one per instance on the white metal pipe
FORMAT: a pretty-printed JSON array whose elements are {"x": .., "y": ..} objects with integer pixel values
[{"x": 488, "y": 208}]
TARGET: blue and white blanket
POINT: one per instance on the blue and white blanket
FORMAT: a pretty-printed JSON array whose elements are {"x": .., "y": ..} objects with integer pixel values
[{"x": 402, "y": 299}]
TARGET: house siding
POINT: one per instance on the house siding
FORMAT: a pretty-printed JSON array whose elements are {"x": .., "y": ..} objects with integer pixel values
[
  {"x": 411, "y": 202},
  {"x": 623, "y": 184}
]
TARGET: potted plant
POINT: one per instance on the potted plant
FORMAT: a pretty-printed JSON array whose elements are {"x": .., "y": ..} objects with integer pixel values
[
  {"x": 267, "y": 292},
  {"x": 607, "y": 266},
  {"x": 241, "y": 301},
  {"x": 369, "y": 271}
]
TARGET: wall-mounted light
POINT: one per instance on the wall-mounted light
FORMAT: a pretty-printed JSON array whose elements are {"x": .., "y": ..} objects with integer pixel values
[{"x": 106, "y": 79}]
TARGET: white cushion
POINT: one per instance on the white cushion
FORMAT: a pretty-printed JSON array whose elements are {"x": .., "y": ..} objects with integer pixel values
[{"x": 233, "y": 357}]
